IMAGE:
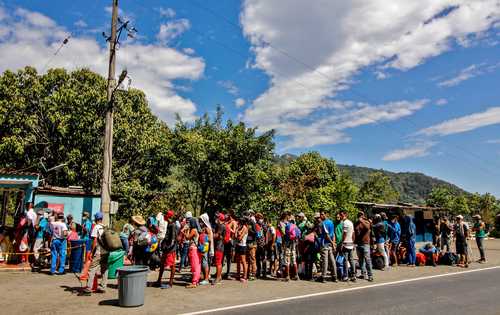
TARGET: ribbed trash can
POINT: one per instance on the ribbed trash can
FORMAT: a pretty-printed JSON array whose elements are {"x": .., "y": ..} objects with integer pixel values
[
  {"x": 131, "y": 284},
  {"x": 76, "y": 256}
]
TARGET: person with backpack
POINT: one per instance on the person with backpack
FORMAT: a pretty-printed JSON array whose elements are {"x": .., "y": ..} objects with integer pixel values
[
  {"x": 251, "y": 245},
  {"x": 445, "y": 230},
  {"x": 292, "y": 236},
  {"x": 480, "y": 230},
  {"x": 140, "y": 240},
  {"x": 363, "y": 238},
  {"x": 219, "y": 237},
  {"x": 261, "y": 229},
  {"x": 394, "y": 234},
  {"x": 168, "y": 250},
  {"x": 461, "y": 234},
  {"x": 99, "y": 257},
  {"x": 86, "y": 230},
  {"x": 347, "y": 249},
  {"x": 192, "y": 235},
  {"x": 241, "y": 249},
  {"x": 231, "y": 226},
  {"x": 326, "y": 238},
  {"x": 59, "y": 244},
  {"x": 270, "y": 249},
  {"x": 206, "y": 255},
  {"x": 379, "y": 231}
]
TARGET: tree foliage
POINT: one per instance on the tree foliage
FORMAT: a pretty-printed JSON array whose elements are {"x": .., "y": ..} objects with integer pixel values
[{"x": 378, "y": 188}]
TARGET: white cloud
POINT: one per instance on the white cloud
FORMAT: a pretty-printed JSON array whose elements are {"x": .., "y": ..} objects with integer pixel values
[
  {"x": 418, "y": 150},
  {"x": 167, "y": 12},
  {"x": 328, "y": 42},
  {"x": 230, "y": 87},
  {"x": 493, "y": 141},
  {"x": 441, "y": 102},
  {"x": 470, "y": 72},
  {"x": 189, "y": 51},
  {"x": 80, "y": 23},
  {"x": 34, "y": 38},
  {"x": 466, "y": 123},
  {"x": 239, "y": 102},
  {"x": 173, "y": 29}
]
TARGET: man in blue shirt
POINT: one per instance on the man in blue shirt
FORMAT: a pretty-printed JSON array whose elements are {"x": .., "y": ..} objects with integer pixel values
[
  {"x": 326, "y": 238},
  {"x": 394, "y": 239}
]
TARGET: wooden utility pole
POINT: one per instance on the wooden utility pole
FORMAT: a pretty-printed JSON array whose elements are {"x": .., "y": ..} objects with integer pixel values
[{"x": 108, "y": 133}]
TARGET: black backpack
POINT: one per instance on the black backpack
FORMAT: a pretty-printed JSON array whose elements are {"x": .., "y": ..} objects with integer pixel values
[{"x": 448, "y": 259}]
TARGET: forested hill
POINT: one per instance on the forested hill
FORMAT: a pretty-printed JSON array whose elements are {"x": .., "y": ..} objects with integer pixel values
[{"x": 412, "y": 187}]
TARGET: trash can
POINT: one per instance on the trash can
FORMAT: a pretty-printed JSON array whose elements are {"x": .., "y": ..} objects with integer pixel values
[
  {"x": 76, "y": 256},
  {"x": 131, "y": 284},
  {"x": 115, "y": 261}
]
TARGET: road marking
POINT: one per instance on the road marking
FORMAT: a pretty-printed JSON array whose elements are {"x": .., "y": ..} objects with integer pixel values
[{"x": 297, "y": 297}]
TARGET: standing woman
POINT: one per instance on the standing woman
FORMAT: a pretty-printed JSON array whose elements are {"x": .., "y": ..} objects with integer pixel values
[
  {"x": 205, "y": 261},
  {"x": 241, "y": 249},
  {"x": 480, "y": 229},
  {"x": 191, "y": 234}
]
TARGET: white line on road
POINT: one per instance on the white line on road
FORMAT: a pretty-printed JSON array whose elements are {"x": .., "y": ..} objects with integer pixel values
[{"x": 220, "y": 309}]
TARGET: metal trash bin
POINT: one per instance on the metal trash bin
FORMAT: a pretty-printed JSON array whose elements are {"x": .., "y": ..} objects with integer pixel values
[{"x": 131, "y": 284}]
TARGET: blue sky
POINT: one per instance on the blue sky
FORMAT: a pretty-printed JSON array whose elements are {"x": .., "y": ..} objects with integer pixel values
[{"x": 385, "y": 84}]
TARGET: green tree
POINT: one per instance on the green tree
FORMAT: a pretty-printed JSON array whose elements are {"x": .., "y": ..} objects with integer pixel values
[
  {"x": 378, "y": 189},
  {"x": 440, "y": 197},
  {"x": 459, "y": 205}
]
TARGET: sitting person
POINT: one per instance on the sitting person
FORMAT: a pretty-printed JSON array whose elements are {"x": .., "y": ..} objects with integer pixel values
[{"x": 431, "y": 254}]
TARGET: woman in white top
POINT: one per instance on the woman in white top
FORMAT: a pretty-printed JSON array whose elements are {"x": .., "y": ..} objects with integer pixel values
[{"x": 241, "y": 248}]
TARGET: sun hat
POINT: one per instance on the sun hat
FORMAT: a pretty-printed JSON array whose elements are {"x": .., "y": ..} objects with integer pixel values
[
  {"x": 139, "y": 220},
  {"x": 188, "y": 215},
  {"x": 460, "y": 216}
]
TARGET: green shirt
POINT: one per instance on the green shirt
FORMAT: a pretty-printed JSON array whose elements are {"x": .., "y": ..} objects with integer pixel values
[
  {"x": 339, "y": 233},
  {"x": 480, "y": 232}
]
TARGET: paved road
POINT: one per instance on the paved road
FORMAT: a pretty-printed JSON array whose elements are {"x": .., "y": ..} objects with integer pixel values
[{"x": 469, "y": 293}]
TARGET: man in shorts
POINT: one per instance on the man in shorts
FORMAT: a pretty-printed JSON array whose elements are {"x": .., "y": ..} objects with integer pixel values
[
  {"x": 219, "y": 235},
  {"x": 169, "y": 250}
]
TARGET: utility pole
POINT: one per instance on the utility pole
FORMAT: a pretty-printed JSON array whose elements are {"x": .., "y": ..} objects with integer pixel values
[{"x": 108, "y": 133}]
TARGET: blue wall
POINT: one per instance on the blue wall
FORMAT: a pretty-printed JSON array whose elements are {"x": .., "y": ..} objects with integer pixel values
[
  {"x": 28, "y": 188},
  {"x": 73, "y": 204}
]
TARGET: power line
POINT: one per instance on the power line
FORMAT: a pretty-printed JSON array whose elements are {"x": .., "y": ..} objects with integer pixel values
[{"x": 324, "y": 75}]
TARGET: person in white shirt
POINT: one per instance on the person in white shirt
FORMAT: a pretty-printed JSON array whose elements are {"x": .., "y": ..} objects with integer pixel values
[
  {"x": 99, "y": 257},
  {"x": 348, "y": 246},
  {"x": 58, "y": 245},
  {"x": 162, "y": 227}
]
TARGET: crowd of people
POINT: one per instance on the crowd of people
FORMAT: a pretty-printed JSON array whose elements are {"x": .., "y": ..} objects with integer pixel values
[{"x": 294, "y": 247}]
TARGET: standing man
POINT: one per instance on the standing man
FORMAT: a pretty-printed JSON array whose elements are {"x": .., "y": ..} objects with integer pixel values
[
  {"x": 445, "y": 230},
  {"x": 326, "y": 237},
  {"x": 99, "y": 257},
  {"x": 461, "y": 235},
  {"x": 251, "y": 245},
  {"x": 348, "y": 246},
  {"x": 169, "y": 250},
  {"x": 58, "y": 246},
  {"x": 411, "y": 235},
  {"x": 86, "y": 230},
  {"x": 394, "y": 239},
  {"x": 363, "y": 232},
  {"x": 231, "y": 226},
  {"x": 480, "y": 230},
  {"x": 379, "y": 231},
  {"x": 41, "y": 227}
]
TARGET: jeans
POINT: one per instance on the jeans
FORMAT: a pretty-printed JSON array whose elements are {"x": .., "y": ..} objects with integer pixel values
[
  {"x": 412, "y": 255},
  {"x": 184, "y": 256},
  {"x": 381, "y": 250},
  {"x": 365, "y": 260},
  {"x": 348, "y": 254},
  {"x": 124, "y": 243},
  {"x": 261, "y": 261},
  {"x": 480, "y": 246},
  {"x": 58, "y": 249},
  {"x": 328, "y": 260}
]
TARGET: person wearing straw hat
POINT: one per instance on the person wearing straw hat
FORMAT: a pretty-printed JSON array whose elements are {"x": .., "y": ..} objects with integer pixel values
[
  {"x": 480, "y": 230},
  {"x": 140, "y": 240}
]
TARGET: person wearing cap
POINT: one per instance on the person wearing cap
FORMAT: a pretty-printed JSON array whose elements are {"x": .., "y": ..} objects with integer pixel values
[
  {"x": 169, "y": 250},
  {"x": 219, "y": 236},
  {"x": 86, "y": 230},
  {"x": 99, "y": 258},
  {"x": 480, "y": 229},
  {"x": 58, "y": 245},
  {"x": 461, "y": 234}
]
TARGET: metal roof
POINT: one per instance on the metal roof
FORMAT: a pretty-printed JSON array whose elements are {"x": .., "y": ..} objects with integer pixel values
[
  {"x": 65, "y": 191},
  {"x": 398, "y": 206},
  {"x": 14, "y": 172}
]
